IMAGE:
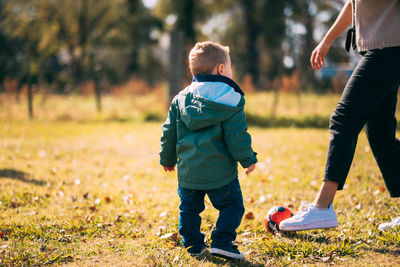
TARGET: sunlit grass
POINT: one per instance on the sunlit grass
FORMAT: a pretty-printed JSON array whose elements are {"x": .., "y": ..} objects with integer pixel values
[
  {"x": 152, "y": 106},
  {"x": 90, "y": 192}
]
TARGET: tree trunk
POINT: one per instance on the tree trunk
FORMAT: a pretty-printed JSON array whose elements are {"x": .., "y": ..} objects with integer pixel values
[
  {"x": 97, "y": 90},
  {"x": 176, "y": 72},
  {"x": 30, "y": 97},
  {"x": 18, "y": 91},
  {"x": 29, "y": 91},
  {"x": 307, "y": 78},
  {"x": 252, "y": 32},
  {"x": 276, "y": 84},
  {"x": 186, "y": 20}
]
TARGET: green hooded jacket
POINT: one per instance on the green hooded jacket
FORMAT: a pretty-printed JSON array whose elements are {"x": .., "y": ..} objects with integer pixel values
[{"x": 205, "y": 133}]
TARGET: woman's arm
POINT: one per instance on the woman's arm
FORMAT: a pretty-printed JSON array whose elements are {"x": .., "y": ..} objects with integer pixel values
[{"x": 341, "y": 23}]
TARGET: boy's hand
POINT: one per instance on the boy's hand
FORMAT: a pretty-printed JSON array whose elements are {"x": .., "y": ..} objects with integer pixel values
[
  {"x": 250, "y": 168},
  {"x": 169, "y": 169}
]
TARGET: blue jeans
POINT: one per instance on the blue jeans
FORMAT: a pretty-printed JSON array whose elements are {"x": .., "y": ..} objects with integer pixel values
[{"x": 227, "y": 199}]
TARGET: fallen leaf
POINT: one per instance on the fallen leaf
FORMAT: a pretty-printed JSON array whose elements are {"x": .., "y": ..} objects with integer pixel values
[
  {"x": 250, "y": 200},
  {"x": 265, "y": 238},
  {"x": 3, "y": 234},
  {"x": 171, "y": 245},
  {"x": 170, "y": 236},
  {"x": 249, "y": 216},
  {"x": 290, "y": 205}
]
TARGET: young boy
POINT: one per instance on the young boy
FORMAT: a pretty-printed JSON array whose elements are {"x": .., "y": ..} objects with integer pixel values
[{"x": 206, "y": 134}]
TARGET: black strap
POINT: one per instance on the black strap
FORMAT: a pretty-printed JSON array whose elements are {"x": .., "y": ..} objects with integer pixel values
[{"x": 351, "y": 33}]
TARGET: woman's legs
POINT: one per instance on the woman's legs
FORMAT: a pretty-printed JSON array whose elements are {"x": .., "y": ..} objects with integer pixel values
[
  {"x": 374, "y": 80},
  {"x": 381, "y": 133},
  {"x": 369, "y": 97},
  {"x": 326, "y": 194}
]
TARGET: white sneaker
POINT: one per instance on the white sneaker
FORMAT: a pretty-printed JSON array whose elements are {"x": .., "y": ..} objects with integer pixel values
[
  {"x": 393, "y": 224},
  {"x": 310, "y": 217},
  {"x": 228, "y": 253}
]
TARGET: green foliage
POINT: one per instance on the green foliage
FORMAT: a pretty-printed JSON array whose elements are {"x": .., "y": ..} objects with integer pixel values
[
  {"x": 82, "y": 39},
  {"x": 61, "y": 45},
  {"x": 154, "y": 116}
]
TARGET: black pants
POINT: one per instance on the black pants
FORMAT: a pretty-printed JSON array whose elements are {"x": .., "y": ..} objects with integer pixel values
[{"x": 369, "y": 99}]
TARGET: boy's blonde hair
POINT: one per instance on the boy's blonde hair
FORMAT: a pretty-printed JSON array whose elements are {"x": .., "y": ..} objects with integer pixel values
[{"x": 205, "y": 56}]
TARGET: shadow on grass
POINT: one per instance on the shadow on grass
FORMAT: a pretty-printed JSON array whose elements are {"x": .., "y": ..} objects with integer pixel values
[
  {"x": 233, "y": 263},
  {"x": 312, "y": 237},
  {"x": 304, "y": 121},
  {"x": 20, "y": 176},
  {"x": 384, "y": 251}
]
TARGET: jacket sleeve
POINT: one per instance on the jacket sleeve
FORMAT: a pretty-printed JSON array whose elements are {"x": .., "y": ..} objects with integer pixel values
[
  {"x": 238, "y": 139},
  {"x": 168, "y": 156}
]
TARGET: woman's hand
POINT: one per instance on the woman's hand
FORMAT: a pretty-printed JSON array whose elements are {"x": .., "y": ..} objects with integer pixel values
[
  {"x": 341, "y": 23},
  {"x": 317, "y": 59}
]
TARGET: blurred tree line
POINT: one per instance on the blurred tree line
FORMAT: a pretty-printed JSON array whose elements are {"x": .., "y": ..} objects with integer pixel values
[{"x": 59, "y": 45}]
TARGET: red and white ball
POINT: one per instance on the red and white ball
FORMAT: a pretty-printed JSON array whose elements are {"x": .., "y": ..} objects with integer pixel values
[{"x": 274, "y": 217}]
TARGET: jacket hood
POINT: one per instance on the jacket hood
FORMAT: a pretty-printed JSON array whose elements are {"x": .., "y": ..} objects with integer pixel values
[{"x": 209, "y": 100}]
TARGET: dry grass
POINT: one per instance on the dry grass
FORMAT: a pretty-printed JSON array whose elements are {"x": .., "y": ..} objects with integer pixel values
[
  {"x": 136, "y": 107},
  {"x": 91, "y": 193}
]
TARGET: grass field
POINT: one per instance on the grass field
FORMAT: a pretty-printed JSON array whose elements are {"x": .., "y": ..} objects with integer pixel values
[
  {"x": 85, "y": 190},
  {"x": 136, "y": 107}
]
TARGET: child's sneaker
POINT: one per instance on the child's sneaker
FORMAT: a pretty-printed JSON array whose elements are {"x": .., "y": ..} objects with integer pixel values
[
  {"x": 390, "y": 225},
  {"x": 202, "y": 252},
  {"x": 228, "y": 253},
  {"x": 311, "y": 217}
]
